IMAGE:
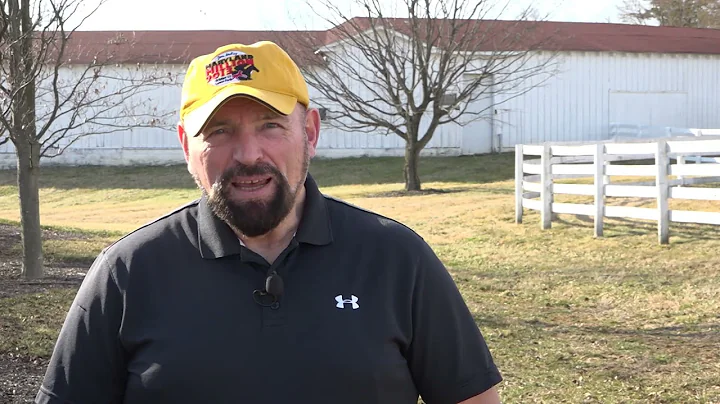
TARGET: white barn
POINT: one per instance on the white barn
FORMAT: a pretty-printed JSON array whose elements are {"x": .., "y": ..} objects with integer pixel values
[{"x": 608, "y": 74}]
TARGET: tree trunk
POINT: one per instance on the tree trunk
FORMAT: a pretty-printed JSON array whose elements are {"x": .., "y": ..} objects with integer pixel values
[
  {"x": 28, "y": 173},
  {"x": 412, "y": 158},
  {"x": 28, "y": 169},
  {"x": 21, "y": 80}
]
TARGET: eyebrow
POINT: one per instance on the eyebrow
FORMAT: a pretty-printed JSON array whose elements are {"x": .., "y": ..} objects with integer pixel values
[
  {"x": 213, "y": 123},
  {"x": 273, "y": 115},
  {"x": 264, "y": 117}
]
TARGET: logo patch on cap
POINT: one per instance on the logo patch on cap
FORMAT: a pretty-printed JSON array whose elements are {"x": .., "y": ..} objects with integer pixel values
[{"x": 230, "y": 67}]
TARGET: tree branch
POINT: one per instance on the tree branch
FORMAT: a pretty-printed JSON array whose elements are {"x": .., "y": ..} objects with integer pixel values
[
  {"x": 72, "y": 100},
  {"x": 384, "y": 73}
]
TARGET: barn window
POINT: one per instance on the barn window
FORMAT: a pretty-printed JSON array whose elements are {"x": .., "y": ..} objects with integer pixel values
[
  {"x": 448, "y": 99},
  {"x": 323, "y": 114}
]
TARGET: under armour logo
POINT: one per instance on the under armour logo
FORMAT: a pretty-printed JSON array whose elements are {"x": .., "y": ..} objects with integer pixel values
[{"x": 342, "y": 302}]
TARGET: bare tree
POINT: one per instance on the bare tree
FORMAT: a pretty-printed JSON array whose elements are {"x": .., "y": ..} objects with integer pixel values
[
  {"x": 676, "y": 13},
  {"x": 54, "y": 90},
  {"x": 408, "y": 76}
]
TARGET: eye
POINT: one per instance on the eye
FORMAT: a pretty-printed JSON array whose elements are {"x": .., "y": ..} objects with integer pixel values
[
  {"x": 216, "y": 132},
  {"x": 271, "y": 125}
]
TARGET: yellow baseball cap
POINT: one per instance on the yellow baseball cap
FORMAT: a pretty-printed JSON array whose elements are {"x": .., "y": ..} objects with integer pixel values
[{"x": 262, "y": 71}]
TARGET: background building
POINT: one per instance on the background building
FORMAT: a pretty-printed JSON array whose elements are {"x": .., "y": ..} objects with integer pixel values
[{"x": 609, "y": 74}]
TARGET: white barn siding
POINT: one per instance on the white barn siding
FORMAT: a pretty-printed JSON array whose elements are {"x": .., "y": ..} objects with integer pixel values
[
  {"x": 592, "y": 90},
  {"x": 335, "y": 142},
  {"x": 146, "y": 145}
]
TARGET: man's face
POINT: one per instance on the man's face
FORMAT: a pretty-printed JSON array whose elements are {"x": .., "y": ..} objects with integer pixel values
[{"x": 251, "y": 162}]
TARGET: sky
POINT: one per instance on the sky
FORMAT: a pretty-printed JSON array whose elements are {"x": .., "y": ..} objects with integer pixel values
[{"x": 294, "y": 14}]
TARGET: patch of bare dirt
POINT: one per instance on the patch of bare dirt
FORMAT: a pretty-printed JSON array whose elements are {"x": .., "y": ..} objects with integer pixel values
[
  {"x": 12, "y": 282},
  {"x": 20, "y": 376}
]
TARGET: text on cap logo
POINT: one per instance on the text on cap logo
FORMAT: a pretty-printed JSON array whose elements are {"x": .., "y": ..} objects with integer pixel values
[{"x": 230, "y": 67}]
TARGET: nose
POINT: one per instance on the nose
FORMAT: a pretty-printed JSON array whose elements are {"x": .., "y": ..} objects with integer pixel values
[{"x": 247, "y": 149}]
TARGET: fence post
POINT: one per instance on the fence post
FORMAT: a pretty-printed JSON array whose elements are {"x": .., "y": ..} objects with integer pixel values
[
  {"x": 661, "y": 182},
  {"x": 599, "y": 158},
  {"x": 519, "y": 176},
  {"x": 606, "y": 178},
  {"x": 681, "y": 178},
  {"x": 546, "y": 191}
]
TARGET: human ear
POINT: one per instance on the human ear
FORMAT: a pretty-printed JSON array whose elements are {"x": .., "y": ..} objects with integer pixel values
[
  {"x": 182, "y": 137},
  {"x": 312, "y": 128}
]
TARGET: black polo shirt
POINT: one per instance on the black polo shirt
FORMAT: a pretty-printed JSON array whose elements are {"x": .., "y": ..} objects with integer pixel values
[{"x": 368, "y": 315}]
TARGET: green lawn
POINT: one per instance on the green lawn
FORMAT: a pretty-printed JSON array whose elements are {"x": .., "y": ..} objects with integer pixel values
[{"x": 569, "y": 318}]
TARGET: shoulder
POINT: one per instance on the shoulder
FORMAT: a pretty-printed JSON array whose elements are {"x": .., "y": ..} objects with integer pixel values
[{"x": 355, "y": 224}]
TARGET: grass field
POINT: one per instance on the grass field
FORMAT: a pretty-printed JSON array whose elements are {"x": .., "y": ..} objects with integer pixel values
[{"x": 569, "y": 318}]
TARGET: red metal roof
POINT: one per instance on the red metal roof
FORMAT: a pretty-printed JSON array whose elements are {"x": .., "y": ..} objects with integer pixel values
[
  {"x": 181, "y": 46},
  {"x": 563, "y": 36},
  {"x": 165, "y": 46},
  {"x": 599, "y": 37}
]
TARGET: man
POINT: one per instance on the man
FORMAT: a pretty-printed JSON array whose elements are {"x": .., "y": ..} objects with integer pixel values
[{"x": 264, "y": 290}]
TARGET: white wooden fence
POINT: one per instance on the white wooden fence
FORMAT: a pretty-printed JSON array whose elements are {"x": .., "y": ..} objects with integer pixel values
[
  {"x": 625, "y": 131},
  {"x": 559, "y": 161},
  {"x": 639, "y": 131}
]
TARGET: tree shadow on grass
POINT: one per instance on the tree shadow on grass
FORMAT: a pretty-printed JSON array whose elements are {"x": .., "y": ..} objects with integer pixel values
[
  {"x": 490, "y": 321},
  {"x": 102, "y": 177},
  {"x": 423, "y": 192},
  {"x": 680, "y": 233},
  {"x": 478, "y": 169},
  {"x": 708, "y": 333}
]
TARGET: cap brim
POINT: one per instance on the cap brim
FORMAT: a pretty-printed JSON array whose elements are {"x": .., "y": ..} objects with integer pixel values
[{"x": 196, "y": 119}]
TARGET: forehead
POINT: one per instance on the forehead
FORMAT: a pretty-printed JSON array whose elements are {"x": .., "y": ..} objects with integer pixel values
[{"x": 246, "y": 108}]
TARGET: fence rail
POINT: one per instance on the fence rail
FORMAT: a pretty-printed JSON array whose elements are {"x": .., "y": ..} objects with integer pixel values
[
  {"x": 620, "y": 130},
  {"x": 599, "y": 161}
]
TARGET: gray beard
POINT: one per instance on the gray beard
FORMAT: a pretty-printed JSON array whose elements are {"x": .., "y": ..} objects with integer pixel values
[{"x": 253, "y": 218}]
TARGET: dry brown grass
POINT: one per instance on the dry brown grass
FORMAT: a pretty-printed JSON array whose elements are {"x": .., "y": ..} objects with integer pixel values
[{"x": 569, "y": 318}]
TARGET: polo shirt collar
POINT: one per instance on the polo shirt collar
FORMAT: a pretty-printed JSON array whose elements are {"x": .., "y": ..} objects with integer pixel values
[
  {"x": 314, "y": 227},
  {"x": 216, "y": 239}
]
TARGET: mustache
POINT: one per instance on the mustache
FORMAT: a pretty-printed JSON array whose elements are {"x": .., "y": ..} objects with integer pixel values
[
  {"x": 246, "y": 170},
  {"x": 243, "y": 169}
]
